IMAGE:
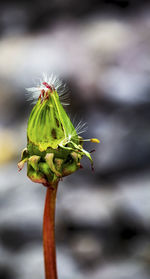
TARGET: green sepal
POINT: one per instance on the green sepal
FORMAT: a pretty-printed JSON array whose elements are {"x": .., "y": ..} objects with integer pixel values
[
  {"x": 70, "y": 168},
  {"x": 35, "y": 176},
  {"x": 24, "y": 157},
  {"x": 44, "y": 168},
  {"x": 33, "y": 161},
  {"x": 83, "y": 151},
  {"x": 49, "y": 159}
]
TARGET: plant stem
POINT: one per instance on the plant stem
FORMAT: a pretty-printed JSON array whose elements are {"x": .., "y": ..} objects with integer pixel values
[{"x": 49, "y": 233}]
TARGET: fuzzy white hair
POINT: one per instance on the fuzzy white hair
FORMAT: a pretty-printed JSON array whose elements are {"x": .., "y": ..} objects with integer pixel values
[{"x": 61, "y": 88}]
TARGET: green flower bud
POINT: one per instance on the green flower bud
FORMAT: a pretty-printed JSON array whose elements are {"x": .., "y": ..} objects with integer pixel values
[{"x": 54, "y": 148}]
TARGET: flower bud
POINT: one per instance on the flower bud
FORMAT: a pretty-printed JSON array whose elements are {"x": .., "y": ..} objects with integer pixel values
[{"x": 54, "y": 149}]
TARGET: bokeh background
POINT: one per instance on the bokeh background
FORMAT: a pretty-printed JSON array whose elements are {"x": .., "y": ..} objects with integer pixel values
[{"x": 102, "y": 50}]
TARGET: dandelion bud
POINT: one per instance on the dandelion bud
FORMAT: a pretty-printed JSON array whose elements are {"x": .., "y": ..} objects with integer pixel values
[{"x": 54, "y": 147}]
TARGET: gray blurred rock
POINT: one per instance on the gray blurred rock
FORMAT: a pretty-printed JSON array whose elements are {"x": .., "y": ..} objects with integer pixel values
[
  {"x": 135, "y": 195},
  {"x": 102, "y": 220},
  {"x": 121, "y": 270}
]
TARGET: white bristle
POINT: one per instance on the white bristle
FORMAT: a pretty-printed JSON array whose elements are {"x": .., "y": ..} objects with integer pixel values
[{"x": 61, "y": 88}]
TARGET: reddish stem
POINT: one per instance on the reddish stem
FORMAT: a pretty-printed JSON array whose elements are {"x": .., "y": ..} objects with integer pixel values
[{"x": 49, "y": 234}]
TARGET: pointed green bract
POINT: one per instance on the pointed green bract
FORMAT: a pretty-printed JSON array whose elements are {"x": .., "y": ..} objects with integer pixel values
[{"x": 49, "y": 125}]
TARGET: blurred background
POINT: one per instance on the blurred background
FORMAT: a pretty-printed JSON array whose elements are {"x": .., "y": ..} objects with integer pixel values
[{"x": 102, "y": 50}]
